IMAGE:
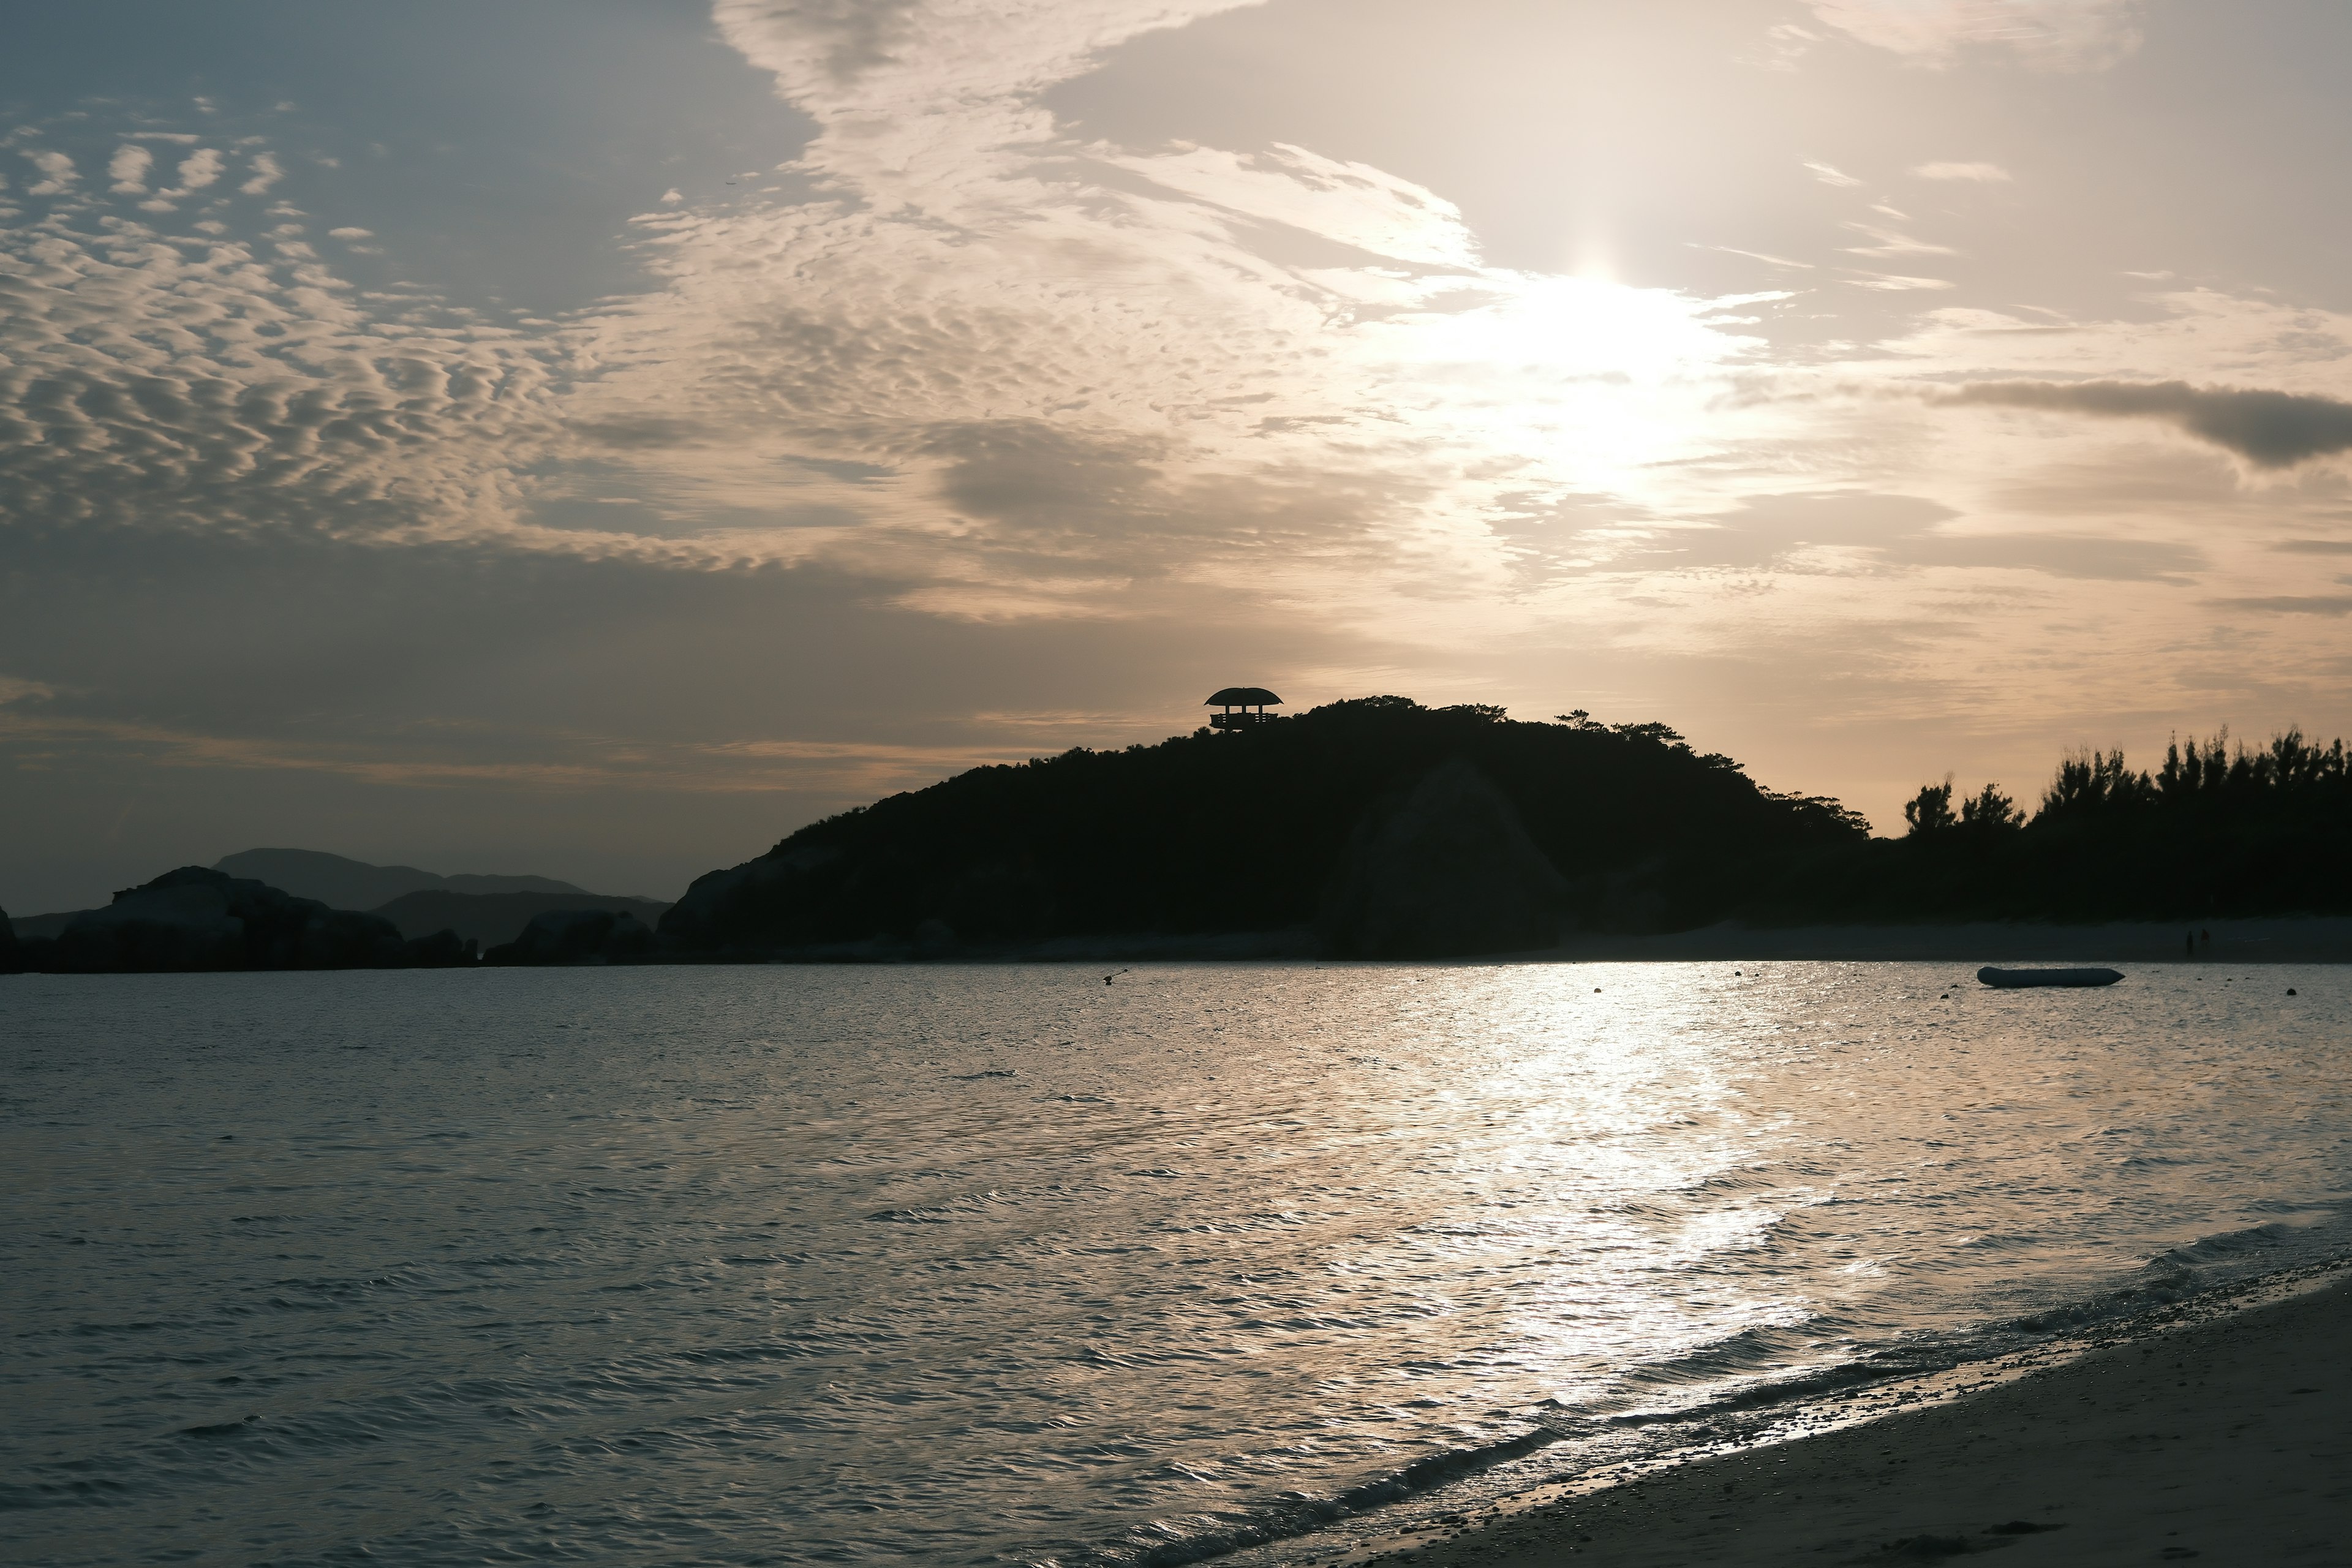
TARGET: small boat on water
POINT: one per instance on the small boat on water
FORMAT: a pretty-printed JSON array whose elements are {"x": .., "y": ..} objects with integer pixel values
[{"x": 2018, "y": 979}]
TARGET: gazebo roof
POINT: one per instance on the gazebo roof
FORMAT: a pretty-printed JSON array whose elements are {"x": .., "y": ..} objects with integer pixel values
[{"x": 1243, "y": 697}]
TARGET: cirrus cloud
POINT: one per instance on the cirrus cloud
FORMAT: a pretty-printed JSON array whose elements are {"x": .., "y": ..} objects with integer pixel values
[
  {"x": 1980, "y": 174},
  {"x": 2059, "y": 35}
]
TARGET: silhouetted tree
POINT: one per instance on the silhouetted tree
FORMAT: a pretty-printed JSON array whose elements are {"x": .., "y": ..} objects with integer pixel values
[
  {"x": 1990, "y": 811},
  {"x": 1930, "y": 811},
  {"x": 2094, "y": 784}
]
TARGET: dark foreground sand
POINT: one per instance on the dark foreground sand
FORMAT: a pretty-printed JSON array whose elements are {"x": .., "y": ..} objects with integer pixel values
[{"x": 2230, "y": 1440}]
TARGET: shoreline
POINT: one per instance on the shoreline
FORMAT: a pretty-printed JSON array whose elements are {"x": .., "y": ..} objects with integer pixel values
[
  {"x": 2220, "y": 1429},
  {"x": 2287, "y": 939},
  {"x": 2283, "y": 939},
  {"x": 2297, "y": 939}
]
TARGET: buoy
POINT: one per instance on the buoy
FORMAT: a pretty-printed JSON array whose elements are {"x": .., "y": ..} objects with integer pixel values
[{"x": 2290, "y": 990}]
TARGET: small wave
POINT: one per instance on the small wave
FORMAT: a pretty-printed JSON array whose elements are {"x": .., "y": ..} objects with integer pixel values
[
  {"x": 953, "y": 1209},
  {"x": 1195, "y": 1537},
  {"x": 1761, "y": 1348},
  {"x": 2225, "y": 1246}
]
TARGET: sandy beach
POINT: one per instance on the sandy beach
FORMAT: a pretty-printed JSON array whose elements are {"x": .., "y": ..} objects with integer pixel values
[{"x": 2228, "y": 1439}]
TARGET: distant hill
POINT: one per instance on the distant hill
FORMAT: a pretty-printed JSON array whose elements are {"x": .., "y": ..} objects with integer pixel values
[
  {"x": 495, "y": 919},
  {"x": 345, "y": 884},
  {"x": 25, "y": 928},
  {"x": 195, "y": 919}
]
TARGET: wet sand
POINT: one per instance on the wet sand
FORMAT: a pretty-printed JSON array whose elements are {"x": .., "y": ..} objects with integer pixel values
[{"x": 2228, "y": 1440}]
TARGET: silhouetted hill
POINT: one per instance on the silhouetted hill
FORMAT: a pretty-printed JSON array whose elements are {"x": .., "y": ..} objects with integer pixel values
[
  {"x": 196, "y": 919},
  {"x": 493, "y": 919},
  {"x": 1394, "y": 830},
  {"x": 345, "y": 884}
]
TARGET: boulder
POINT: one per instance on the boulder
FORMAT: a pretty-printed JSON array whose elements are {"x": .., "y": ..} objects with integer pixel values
[{"x": 1446, "y": 870}]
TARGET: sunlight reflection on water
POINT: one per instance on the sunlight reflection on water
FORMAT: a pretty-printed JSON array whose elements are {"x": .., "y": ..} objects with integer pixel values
[{"x": 828, "y": 1265}]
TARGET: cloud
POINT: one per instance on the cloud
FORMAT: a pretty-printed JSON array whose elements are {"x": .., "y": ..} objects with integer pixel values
[
  {"x": 2057, "y": 34},
  {"x": 1093, "y": 377},
  {"x": 58, "y": 171},
  {"x": 1896, "y": 283},
  {"x": 1830, "y": 175},
  {"x": 1885, "y": 242},
  {"x": 1982, "y": 174},
  {"x": 149, "y": 381},
  {"x": 1005, "y": 372},
  {"x": 2268, "y": 429},
  {"x": 2293, "y": 605},
  {"x": 128, "y": 169},
  {"x": 1349, "y": 204},
  {"x": 198, "y": 170},
  {"x": 265, "y": 174},
  {"x": 1778, "y": 532},
  {"x": 1752, "y": 255}
]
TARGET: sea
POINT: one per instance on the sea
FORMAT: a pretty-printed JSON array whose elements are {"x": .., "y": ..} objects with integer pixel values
[{"x": 1061, "y": 1265}]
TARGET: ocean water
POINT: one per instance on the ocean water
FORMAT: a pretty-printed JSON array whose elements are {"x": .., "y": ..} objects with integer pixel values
[{"x": 971, "y": 1265}]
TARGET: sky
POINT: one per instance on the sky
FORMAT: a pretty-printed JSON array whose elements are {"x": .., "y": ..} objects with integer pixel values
[{"x": 594, "y": 439}]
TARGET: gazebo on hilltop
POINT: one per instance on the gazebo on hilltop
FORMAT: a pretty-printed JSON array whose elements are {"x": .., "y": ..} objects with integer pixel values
[{"x": 1246, "y": 699}]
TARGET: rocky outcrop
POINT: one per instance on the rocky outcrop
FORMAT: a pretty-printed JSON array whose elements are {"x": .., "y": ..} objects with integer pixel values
[
  {"x": 577, "y": 936},
  {"x": 196, "y": 919},
  {"x": 10, "y": 961},
  {"x": 1447, "y": 871}
]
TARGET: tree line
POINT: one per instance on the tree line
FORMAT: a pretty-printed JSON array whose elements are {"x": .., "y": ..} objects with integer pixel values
[{"x": 2219, "y": 828}]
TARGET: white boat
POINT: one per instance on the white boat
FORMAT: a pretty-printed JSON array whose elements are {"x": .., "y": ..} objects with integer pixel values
[{"x": 2017, "y": 979}]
